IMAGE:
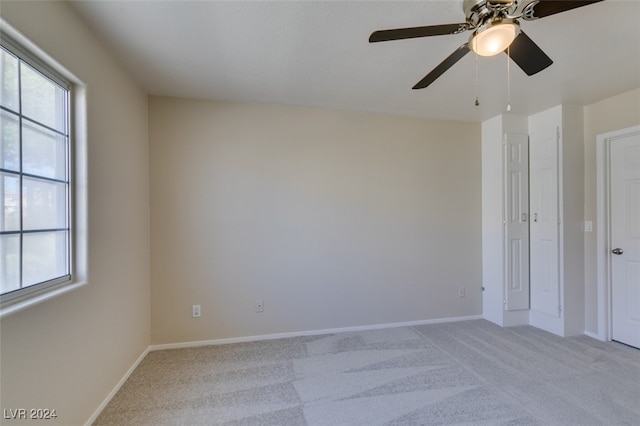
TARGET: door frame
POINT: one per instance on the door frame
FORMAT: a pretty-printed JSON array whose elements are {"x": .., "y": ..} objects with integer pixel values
[{"x": 603, "y": 227}]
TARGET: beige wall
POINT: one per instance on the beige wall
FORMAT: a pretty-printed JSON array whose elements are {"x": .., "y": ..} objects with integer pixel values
[
  {"x": 333, "y": 218},
  {"x": 610, "y": 114},
  {"x": 68, "y": 353}
]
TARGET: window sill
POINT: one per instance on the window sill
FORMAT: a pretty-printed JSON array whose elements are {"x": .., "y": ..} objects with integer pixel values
[{"x": 39, "y": 298}]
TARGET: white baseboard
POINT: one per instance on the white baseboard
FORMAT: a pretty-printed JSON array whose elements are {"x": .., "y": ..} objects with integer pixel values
[
  {"x": 594, "y": 336},
  {"x": 115, "y": 390},
  {"x": 307, "y": 333}
]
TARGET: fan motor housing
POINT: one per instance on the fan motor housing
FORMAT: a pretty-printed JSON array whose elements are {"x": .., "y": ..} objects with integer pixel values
[{"x": 477, "y": 11}]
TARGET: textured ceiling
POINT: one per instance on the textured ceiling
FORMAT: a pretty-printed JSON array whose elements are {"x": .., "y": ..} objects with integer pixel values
[{"x": 316, "y": 53}]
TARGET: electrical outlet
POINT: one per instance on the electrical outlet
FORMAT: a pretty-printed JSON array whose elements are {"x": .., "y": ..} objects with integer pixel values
[
  {"x": 461, "y": 292},
  {"x": 259, "y": 306},
  {"x": 195, "y": 311}
]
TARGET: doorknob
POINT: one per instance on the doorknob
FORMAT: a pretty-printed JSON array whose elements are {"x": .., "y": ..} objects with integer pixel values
[{"x": 617, "y": 251}]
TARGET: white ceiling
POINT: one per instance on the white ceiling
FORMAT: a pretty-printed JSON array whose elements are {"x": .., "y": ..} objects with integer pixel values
[{"x": 316, "y": 53}]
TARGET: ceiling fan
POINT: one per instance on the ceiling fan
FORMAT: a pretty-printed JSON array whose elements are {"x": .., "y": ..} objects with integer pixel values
[{"x": 495, "y": 28}]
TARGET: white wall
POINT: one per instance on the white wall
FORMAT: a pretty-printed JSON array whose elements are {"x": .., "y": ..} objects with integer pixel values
[
  {"x": 492, "y": 220},
  {"x": 617, "y": 112},
  {"x": 333, "y": 218},
  {"x": 573, "y": 219},
  {"x": 68, "y": 353}
]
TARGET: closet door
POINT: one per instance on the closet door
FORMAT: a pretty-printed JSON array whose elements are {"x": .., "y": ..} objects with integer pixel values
[
  {"x": 544, "y": 225},
  {"x": 516, "y": 248}
]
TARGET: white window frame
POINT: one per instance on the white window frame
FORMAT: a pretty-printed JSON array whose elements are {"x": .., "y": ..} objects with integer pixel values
[{"x": 29, "y": 53}]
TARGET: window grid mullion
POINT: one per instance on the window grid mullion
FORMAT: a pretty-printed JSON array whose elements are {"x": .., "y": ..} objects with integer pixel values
[
  {"x": 32, "y": 176},
  {"x": 64, "y": 132},
  {"x": 29, "y": 175},
  {"x": 51, "y": 129},
  {"x": 20, "y": 186},
  {"x": 35, "y": 231}
]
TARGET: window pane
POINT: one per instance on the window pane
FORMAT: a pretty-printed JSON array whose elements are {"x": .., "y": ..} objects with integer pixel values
[
  {"x": 44, "y": 204},
  {"x": 42, "y": 99},
  {"x": 9, "y": 263},
  {"x": 45, "y": 257},
  {"x": 9, "y": 76},
  {"x": 10, "y": 146},
  {"x": 43, "y": 152},
  {"x": 10, "y": 199}
]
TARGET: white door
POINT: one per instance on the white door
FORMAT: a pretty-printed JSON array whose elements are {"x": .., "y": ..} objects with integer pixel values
[
  {"x": 517, "y": 221},
  {"x": 625, "y": 239},
  {"x": 544, "y": 231}
]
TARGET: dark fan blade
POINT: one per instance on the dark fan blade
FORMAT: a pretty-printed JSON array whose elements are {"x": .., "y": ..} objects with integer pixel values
[
  {"x": 528, "y": 55},
  {"x": 443, "y": 66},
  {"x": 414, "y": 32},
  {"x": 542, "y": 8}
]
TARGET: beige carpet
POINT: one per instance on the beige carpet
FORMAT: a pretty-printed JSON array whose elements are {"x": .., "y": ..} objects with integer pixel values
[{"x": 470, "y": 372}]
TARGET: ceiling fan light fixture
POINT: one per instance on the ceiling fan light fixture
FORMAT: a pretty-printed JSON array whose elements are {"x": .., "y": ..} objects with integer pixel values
[{"x": 495, "y": 37}]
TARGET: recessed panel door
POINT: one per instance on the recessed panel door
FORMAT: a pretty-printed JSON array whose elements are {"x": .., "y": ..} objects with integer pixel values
[
  {"x": 517, "y": 222},
  {"x": 625, "y": 239},
  {"x": 544, "y": 229}
]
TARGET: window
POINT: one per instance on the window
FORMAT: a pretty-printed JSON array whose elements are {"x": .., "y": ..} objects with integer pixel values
[{"x": 35, "y": 175}]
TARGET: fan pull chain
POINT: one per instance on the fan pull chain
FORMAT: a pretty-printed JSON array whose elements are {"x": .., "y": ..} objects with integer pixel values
[
  {"x": 477, "y": 103},
  {"x": 508, "y": 79}
]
